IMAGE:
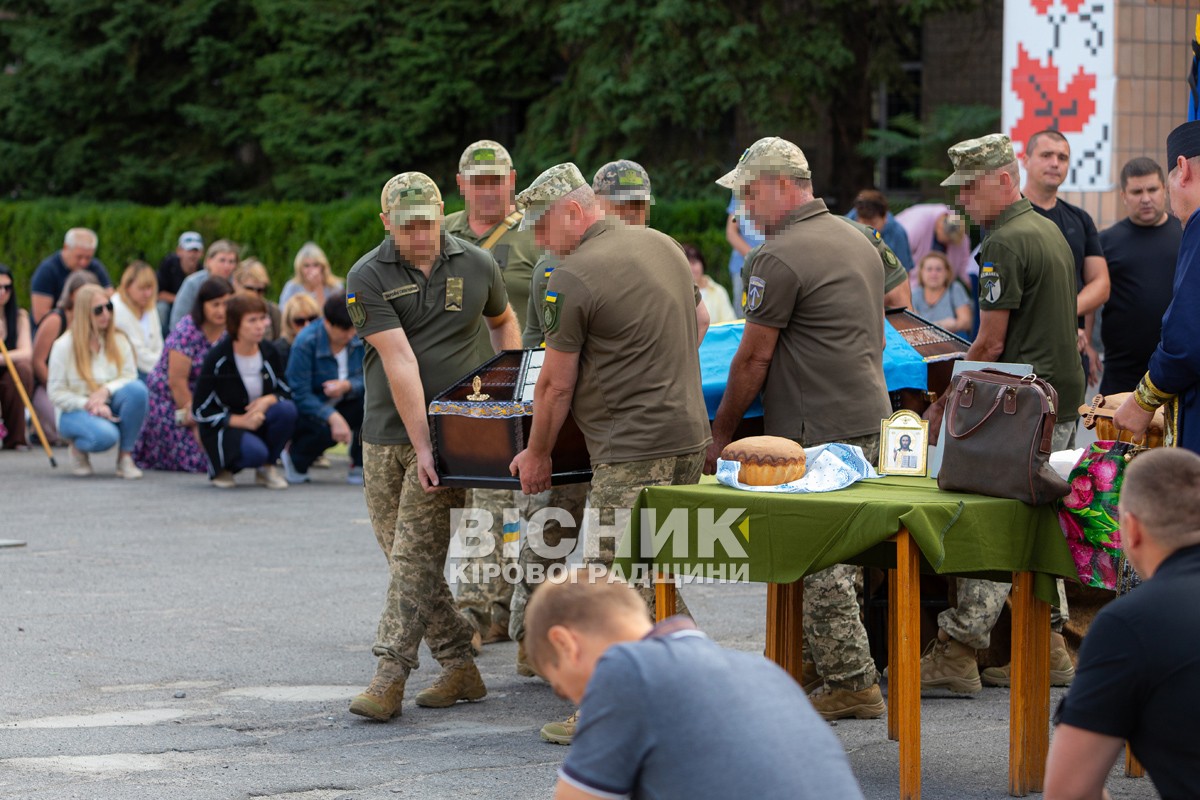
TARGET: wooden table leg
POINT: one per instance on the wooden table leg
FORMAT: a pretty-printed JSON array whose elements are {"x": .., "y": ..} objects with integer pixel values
[
  {"x": 1029, "y": 701},
  {"x": 785, "y": 628},
  {"x": 1133, "y": 767},
  {"x": 893, "y": 654},
  {"x": 664, "y": 596},
  {"x": 904, "y": 684}
]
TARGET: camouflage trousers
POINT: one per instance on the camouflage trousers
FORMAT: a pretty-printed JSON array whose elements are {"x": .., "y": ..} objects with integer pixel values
[
  {"x": 835, "y": 639},
  {"x": 413, "y": 530},
  {"x": 552, "y": 521},
  {"x": 980, "y": 602},
  {"x": 615, "y": 487},
  {"x": 485, "y": 600}
]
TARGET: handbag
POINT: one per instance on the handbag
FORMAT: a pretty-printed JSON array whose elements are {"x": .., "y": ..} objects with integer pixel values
[
  {"x": 1001, "y": 428},
  {"x": 1089, "y": 518}
]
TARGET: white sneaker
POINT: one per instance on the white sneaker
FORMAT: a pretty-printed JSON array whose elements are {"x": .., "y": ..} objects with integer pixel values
[
  {"x": 81, "y": 465},
  {"x": 126, "y": 468},
  {"x": 224, "y": 480},
  {"x": 290, "y": 472},
  {"x": 269, "y": 477}
]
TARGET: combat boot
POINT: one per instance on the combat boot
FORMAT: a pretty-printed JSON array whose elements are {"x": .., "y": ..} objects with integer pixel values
[
  {"x": 832, "y": 703},
  {"x": 949, "y": 664},
  {"x": 810, "y": 679},
  {"x": 461, "y": 681},
  {"x": 496, "y": 632},
  {"x": 382, "y": 698},
  {"x": 1062, "y": 671},
  {"x": 561, "y": 732},
  {"x": 524, "y": 668}
]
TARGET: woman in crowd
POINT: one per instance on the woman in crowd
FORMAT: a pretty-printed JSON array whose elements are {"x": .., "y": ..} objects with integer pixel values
[
  {"x": 298, "y": 312},
  {"x": 170, "y": 440},
  {"x": 251, "y": 276},
  {"x": 716, "y": 299},
  {"x": 94, "y": 385},
  {"x": 136, "y": 314},
  {"x": 939, "y": 298},
  {"x": 54, "y": 325},
  {"x": 242, "y": 403},
  {"x": 15, "y": 331},
  {"x": 312, "y": 276}
]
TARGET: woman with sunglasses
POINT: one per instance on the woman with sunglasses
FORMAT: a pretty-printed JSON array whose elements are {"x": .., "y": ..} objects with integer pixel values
[
  {"x": 15, "y": 331},
  {"x": 242, "y": 405},
  {"x": 298, "y": 312},
  {"x": 170, "y": 440},
  {"x": 94, "y": 385},
  {"x": 312, "y": 276}
]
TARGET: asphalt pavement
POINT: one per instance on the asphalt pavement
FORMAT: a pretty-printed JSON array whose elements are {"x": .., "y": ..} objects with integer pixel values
[{"x": 164, "y": 639}]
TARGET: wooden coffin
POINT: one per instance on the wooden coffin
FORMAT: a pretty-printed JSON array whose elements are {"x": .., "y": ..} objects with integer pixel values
[
  {"x": 938, "y": 347},
  {"x": 480, "y": 423}
]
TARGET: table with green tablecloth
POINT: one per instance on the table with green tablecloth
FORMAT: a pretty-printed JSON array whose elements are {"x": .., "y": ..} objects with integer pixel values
[{"x": 905, "y": 525}]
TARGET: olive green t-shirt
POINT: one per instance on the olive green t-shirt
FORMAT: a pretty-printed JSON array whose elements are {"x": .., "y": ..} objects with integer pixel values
[
  {"x": 1028, "y": 270},
  {"x": 534, "y": 333},
  {"x": 441, "y": 316},
  {"x": 624, "y": 300},
  {"x": 515, "y": 253},
  {"x": 819, "y": 281}
]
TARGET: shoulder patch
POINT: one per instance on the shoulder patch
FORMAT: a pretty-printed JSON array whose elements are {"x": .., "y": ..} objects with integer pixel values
[
  {"x": 358, "y": 314},
  {"x": 550, "y": 312},
  {"x": 990, "y": 287},
  {"x": 755, "y": 291}
]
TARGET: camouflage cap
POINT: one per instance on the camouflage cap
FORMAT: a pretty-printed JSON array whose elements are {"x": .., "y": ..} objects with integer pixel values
[
  {"x": 769, "y": 156},
  {"x": 485, "y": 157},
  {"x": 411, "y": 195},
  {"x": 974, "y": 157},
  {"x": 622, "y": 180},
  {"x": 553, "y": 184}
]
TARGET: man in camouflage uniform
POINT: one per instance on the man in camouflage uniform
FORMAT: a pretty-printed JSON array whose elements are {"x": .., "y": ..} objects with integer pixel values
[
  {"x": 418, "y": 301},
  {"x": 814, "y": 310},
  {"x": 1027, "y": 306},
  {"x": 621, "y": 342},
  {"x": 491, "y": 220}
]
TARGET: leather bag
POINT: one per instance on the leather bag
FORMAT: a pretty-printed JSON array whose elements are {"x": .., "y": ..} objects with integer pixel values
[{"x": 1000, "y": 430}]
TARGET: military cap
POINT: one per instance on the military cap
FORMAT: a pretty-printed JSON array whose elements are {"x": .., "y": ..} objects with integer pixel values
[
  {"x": 485, "y": 157},
  {"x": 553, "y": 184},
  {"x": 1183, "y": 141},
  {"x": 974, "y": 157},
  {"x": 769, "y": 156},
  {"x": 622, "y": 180},
  {"x": 411, "y": 195}
]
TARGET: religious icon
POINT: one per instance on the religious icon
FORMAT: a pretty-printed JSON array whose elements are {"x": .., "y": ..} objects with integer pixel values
[{"x": 903, "y": 445}]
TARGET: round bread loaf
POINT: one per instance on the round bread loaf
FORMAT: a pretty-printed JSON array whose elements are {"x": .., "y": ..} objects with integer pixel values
[{"x": 766, "y": 460}]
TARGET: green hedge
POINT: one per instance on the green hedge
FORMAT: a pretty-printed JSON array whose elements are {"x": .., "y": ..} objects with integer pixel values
[{"x": 272, "y": 232}]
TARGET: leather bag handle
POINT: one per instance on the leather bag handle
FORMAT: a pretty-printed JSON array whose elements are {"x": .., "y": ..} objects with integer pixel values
[{"x": 954, "y": 408}]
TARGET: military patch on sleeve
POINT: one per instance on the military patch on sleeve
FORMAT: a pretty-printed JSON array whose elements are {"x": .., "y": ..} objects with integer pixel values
[
  {"x": 358, "y": 314},
  {"x": 550, "y": 312},
  {"x": 755, "y": 291},
  {"x": 989, "y": 285}
]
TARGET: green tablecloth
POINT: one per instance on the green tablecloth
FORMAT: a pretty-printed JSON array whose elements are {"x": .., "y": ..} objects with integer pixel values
[{"x": 779, "y": 538}]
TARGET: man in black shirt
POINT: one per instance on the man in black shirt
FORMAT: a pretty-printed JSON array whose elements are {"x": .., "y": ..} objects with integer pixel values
[
  {"x": 1047, "y": 160},
  {"x": 1141, "y": 251},
  {"x": 172, "y": 271},
  {"x": 1138, "y": 678}
]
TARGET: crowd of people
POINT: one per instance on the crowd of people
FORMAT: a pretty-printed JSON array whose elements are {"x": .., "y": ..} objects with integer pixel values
[
  {"x": 239, "y": 383},
  {"x": 187, "y": 368}
]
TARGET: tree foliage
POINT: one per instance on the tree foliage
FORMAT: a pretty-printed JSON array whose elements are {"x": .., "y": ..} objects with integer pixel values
[{"x": 248, "y": 100}]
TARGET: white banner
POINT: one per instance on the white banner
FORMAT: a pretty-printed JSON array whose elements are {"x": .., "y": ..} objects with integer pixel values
[{"x": 1059, "y": 73}]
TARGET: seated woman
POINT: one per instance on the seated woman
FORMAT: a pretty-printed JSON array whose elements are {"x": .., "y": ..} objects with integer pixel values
[
  {"x": 170, "y": 440},
  {"x": 52, "y": 326},
  {"x": 312, "y": 277},
  {"x": 94, "y": 385},
  {"x": 325, "y": 372},
  {"x": 15, "y": 332},
  {"x": 136, "y": 314},
  {"x": 939, "y": 298},
  {"x": 298, "y": 312},
  {"x": 715, "y": 298},
  {"x": 241, "y": 402}
]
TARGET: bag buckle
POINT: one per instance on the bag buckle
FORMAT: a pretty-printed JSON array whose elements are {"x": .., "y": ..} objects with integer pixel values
[
  {"x": 966, "y": 397},
  {"x": 1010, "y": 400}
]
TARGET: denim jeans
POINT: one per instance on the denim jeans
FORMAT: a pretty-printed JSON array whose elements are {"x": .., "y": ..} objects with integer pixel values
[{"x": 92, "y": 434}]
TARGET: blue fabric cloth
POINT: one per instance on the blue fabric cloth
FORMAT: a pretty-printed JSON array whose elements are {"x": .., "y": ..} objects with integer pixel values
[
  {"x": 312, "y": 362},
  {"x": 92, "y": 434},
  {"x": 1175, "y": 365},
  {"x": 903, "y": 367},
  {"x": 895, "y": 237},
  {"x": 830, "y": 467}
]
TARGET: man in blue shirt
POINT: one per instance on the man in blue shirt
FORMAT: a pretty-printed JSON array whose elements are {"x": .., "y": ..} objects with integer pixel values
[
  {"x": 78, "y": 252},
  {"x": 666, "y": 712}
]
